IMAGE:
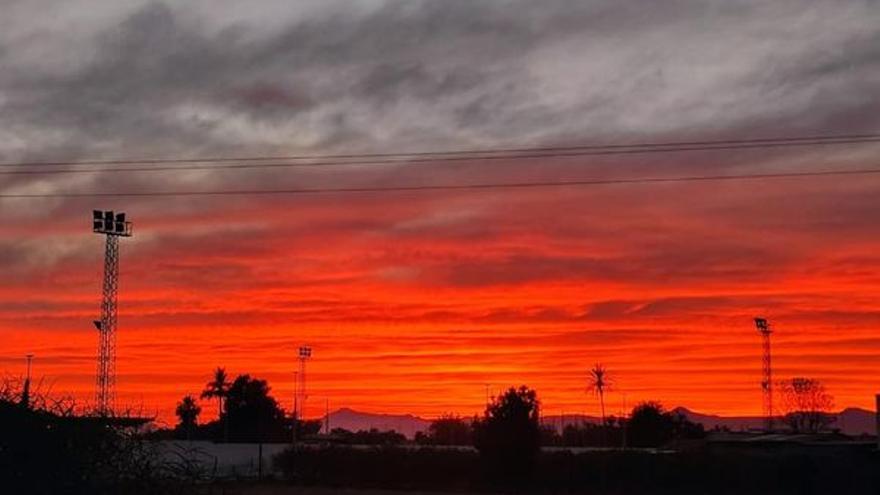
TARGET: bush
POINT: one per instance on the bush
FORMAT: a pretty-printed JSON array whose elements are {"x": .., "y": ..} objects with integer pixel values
[
  {"x": 652, "y": 426},
  {"x": 42, "y": 452},
  {"x": 509, "y": 437}
]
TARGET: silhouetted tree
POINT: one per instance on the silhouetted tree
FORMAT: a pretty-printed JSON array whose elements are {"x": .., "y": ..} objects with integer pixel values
[
  {"x": 508, "y": 436},
  {"x": 252, "y": 413},
  {"x": 307, "y": 428},
  {"x": 372, "y": 436},
  {"x": 549, "y": 436},
  {"x": 598, "y": 382},
  {"x": 649, "y": 425},
  {"x": 807, "y": 404},
  {"x": 447, "y": 430},
  {"x": 188, "y": 411},
  {"x": 652, "y": 426},
  {"x": 592, "y": 435},
  {"x": 218, "y": 388}
]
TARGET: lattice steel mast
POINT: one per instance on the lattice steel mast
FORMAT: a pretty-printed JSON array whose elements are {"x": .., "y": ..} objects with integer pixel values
[
  {"x": 767, "y": 371},
  {"x": 113, "y": 226},
  {"x": 305, "y": 353}
]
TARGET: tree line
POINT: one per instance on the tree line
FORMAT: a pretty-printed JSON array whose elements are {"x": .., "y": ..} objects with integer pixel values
[{"x": 247, "y": 412}]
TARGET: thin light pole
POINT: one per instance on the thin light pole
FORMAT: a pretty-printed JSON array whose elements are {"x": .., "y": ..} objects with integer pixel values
[
  {"x": 26, "y": 391},
  {"x": 327, "y": 416},
  {"x": 625, "y": 420},
  {"x": 295, "y": 407}
]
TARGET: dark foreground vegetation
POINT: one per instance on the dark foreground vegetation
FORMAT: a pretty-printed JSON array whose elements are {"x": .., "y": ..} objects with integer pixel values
[
  {"x": 636, "y": 472},
  {"x": 46, "y": 448},
  {"x": 591, "y": 472},
  {"x": 509, "y": 458},
  {"x": 50, "y": 452}
]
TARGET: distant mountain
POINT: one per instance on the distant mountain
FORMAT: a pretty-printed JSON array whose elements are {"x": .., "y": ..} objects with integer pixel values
[
  {"x": 711, "y": 421},
  {"x": 851, "y": 421},
  {"x": 856, "y": 421},
  {"x": 561, "y": 421},
  {"x": 352, "y": 420},
  {"x": 733, "y": 423}
]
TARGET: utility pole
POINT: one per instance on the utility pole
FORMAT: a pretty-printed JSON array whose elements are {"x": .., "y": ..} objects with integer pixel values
[
  {"x": 625, "y": 416},
  {"x": 764, "y": 329},
  {"x": 113, "y": 226},
  {"x": 877, "y": 419},
  {"x": 295, "y": 407},
  {"x": 26, "y": 390}
]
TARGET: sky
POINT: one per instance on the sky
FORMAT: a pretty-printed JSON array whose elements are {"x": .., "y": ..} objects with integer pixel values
[{"x": 420, "y": 302}]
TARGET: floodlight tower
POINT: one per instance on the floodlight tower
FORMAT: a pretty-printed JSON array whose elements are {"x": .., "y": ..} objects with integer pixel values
[
  {"x": 113, "y": 226},
  {"x": 767, "y": 378},
  {"x": 305, "y": 352}
]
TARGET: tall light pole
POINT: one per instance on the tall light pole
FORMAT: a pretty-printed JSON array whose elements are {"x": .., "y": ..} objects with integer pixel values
[
  {"x": 305, "y": 353},
  {"x": 113, "y": 226},
  {"x": 764, "y": 329}
]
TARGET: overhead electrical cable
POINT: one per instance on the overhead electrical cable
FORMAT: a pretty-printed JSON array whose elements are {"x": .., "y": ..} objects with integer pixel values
[
  {"x": 449, "y": 187},
  {"x": 266, "y": 162}
]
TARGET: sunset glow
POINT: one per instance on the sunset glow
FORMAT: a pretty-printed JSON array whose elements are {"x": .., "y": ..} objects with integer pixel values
[{"x": 417, "y": 302}]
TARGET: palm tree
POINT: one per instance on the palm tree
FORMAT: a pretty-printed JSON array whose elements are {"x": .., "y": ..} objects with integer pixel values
[
  {"x": 218, "y": 388},
  {"x": 598, "y": 382}
]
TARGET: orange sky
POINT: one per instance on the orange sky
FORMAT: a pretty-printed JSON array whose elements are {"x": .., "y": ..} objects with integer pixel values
[{"x": 415, "y": 303}]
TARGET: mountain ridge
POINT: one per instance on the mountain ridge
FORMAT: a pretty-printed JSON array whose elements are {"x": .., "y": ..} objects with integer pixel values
[{"x": 851, "y": 421}]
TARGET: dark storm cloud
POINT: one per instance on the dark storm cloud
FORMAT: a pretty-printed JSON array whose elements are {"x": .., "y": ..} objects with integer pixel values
[
  {"x": 161, "y": 81},
  {"x": 210, "y": 78}
]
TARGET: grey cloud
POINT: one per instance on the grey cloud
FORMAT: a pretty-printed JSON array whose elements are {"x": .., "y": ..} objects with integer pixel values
[
  {"x": 437, "y": 72},
  {"x": 211, "y": 78}
]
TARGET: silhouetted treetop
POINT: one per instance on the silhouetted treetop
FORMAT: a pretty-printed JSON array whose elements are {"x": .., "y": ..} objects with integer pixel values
[
  {"x": 806, "y": 404},
  {"x": 650, "y": 425},
  {"x": 508, "y": 436},
  {"x": 448, "y": 429},
  {"x": 187, "y": 411},
  {"x": 252, "y": 413}
]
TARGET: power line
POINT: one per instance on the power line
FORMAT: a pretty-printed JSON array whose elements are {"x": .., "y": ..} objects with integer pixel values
[
  {"x": 450, "y": 187},
  {"x": 434, "y": 157},
  {"x": 452, "y": 152}
]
